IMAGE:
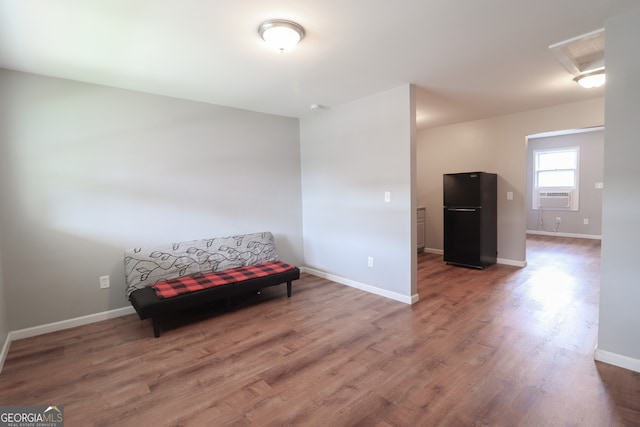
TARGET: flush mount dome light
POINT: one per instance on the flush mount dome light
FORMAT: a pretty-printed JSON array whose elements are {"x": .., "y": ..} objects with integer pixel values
[
  {"x": 591, "y": 79},
  {"x": 281, "y": 34}
]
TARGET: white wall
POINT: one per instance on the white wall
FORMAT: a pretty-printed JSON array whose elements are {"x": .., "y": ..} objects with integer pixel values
[
  {"x": 619, "y": 331},
  {"x": 495, "y": 145},
  {"x": 88, "y": 171},
  {"x": 351, "y": 155}
]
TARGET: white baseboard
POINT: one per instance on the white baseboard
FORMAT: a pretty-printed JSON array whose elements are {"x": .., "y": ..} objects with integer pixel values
[
  {"x": 5, "y": 351},
  {"x": 434, "y": 251},
  {"x": 559, "y": 234},
  {"x": 512, "y": 262},
  {"x": 618, "y": 360},
  {"x": 362, "y": 286},
  {"x": 69, "y": 323}
]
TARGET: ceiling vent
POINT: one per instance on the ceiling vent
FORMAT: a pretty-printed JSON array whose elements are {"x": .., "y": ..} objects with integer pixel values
[{"x": 581, "y": 54}]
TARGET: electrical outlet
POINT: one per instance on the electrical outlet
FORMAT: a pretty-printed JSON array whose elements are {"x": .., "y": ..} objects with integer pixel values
[
  {"x": 585, "y": 221},
  {"x": 104, "y": 282},
  {"x": 370, "y": 262},
  {"x": 558, "y": 220}
]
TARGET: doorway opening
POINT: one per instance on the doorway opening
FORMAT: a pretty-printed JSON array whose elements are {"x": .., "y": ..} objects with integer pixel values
[{"x": 573, "y": 208}]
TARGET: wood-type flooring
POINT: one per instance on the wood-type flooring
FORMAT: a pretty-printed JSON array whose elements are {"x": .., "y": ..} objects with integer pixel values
[{"x": 504, "y": 346}]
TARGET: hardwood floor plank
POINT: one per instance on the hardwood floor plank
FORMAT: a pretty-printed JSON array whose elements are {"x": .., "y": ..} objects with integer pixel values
[{"x": 502, "y": 346}]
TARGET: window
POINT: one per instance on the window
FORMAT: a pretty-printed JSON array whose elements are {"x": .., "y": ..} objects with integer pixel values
[{"x": 556, "y": 179}]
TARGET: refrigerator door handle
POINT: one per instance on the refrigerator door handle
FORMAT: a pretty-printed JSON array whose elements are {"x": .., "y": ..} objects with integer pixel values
[{"x": 461, "y": 210}]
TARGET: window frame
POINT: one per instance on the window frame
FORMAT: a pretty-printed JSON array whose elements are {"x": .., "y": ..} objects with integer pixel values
[{"x": 574, "y": 189}]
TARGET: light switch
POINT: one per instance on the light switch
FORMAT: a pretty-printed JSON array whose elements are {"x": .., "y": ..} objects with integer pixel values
[
  {"x": 509, "y": 195},
  {"x": 387, "y": 196}
]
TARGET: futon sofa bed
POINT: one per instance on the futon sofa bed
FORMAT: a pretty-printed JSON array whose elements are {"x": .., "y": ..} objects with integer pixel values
[{"x": 164, "y": 280}]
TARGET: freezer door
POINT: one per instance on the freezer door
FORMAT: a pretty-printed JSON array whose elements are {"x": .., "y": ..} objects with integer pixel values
[
  {"x": 462, "y": 189},
  {"x": 463, "y": 236}
]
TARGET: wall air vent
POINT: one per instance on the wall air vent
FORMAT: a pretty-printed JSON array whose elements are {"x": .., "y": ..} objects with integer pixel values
[{"x": 581, "y": 54}]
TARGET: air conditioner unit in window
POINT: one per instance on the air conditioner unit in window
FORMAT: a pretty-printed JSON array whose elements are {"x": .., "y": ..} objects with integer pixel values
[{"x": 554, "y": 199}]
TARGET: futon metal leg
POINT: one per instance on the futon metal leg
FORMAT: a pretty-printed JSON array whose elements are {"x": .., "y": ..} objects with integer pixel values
[{"x": 289, "y": 288}]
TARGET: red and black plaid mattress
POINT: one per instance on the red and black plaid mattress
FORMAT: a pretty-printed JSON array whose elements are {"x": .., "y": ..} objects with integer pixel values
[{"x": 183, "y": 285}]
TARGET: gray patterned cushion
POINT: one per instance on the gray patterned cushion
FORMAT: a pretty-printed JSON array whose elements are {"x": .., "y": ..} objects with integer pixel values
[{"x": 147, "y": 266}]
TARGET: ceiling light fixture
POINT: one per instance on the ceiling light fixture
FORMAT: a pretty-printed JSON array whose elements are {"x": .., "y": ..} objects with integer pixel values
[
  {"x": 591, "y": 79},
  {"x": 281, "y": 34}
]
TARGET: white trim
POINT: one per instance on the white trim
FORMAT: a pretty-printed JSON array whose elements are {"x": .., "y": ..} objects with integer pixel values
[
  {"x": 618, "y": 360},
  {"x": 434, "y": 251},
  {"x": 577, "y": 236},
  {"x": 5, "y": 351},
  {"x": 362, "y": 286},
  {"x": 512, "y": 262},
  {"x": 565, "y": 132},
  {"x": 69, "y": 323}
]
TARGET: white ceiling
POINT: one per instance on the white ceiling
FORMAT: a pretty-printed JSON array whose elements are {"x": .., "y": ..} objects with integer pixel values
[{"x": 470, "y": 59}]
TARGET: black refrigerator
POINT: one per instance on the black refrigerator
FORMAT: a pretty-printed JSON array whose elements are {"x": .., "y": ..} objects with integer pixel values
[{"x": 471, "y": 219}]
